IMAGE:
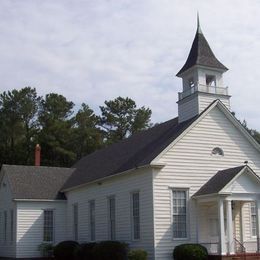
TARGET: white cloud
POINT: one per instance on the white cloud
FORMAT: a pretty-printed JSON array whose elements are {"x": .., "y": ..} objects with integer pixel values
[{"x": 91, "y": 51}]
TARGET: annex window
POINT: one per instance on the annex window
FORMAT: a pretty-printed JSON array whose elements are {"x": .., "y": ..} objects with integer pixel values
[
  {"x": 253, "y": 219},
  {"x": 217, "y": 151},
  {"x": 5, "y": 226},
  {"x": 112, "y": 217},
  {"x": 135, "y": 215},
  {"x": 179, "y": 213},
  {"x": 92, "y": 222},
  {"x": 11, "y": 225},
  {"x": 48, "y": 225},
  {"x": 75, "y": 221}
]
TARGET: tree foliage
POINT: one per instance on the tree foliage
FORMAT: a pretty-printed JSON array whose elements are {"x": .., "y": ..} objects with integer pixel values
[
  {"x": 18, "y": 124},
  {"x": 121, "y": 118},
  {"x": 65, "y": 135}
]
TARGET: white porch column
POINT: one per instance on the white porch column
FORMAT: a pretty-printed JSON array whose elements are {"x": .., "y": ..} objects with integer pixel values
[
  {"x": 230, "y": 235},
  {"x": 257, "y": 204},
  {"x": 221, "y": 233}
]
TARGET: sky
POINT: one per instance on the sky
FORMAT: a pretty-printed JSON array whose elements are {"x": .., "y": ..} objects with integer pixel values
[{"x": 96, "y": 50}]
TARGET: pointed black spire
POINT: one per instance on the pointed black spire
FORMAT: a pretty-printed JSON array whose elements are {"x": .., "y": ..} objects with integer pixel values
[
  {"x": 201, "y": 53},
  {"x": 198, "y": 23}
]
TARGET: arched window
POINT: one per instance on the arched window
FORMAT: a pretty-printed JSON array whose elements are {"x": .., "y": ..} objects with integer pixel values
[{"x": 217, "y": 151}]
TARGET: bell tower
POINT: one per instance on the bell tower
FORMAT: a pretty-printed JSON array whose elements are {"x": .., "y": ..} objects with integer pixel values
[{"x": 202, "y": 79}]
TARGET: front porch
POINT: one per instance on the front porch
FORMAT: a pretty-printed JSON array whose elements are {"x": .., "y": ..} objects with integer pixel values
[{"x": 228, "y": 219}]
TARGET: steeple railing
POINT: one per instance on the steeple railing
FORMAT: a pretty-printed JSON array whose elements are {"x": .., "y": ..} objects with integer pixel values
[{"x": 204, "y": 89}]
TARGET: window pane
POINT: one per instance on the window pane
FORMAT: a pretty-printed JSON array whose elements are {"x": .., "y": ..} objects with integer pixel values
[
  {"x": 179, "y": 213},
  {"x": 12, "y": 225},
  {"x": 92, "y": 220},
  {"x": 75, "y": 218},
  {"x": 5, "y": 225},
  {"x": 48, "y": 225},
  {"x": 136, "y": 215},
  {"x": 112, "y": 218},
  {"x": 253, "y": 219}
]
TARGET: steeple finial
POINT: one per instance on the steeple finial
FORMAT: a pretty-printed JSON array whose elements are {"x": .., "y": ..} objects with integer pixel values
[{"x": 198, "y": 23}]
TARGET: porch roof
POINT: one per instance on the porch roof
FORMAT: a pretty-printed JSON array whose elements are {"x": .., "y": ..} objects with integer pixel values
[{"x": 221, "y": 179}]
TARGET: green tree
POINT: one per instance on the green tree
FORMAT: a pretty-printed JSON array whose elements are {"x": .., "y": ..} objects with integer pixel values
[
  {"x": 252, "y": 132},
  {"x": 87, "y": 136},
  {"x": 120, "y": 118},
  {"x": 18, "y": 114},
  {"x": 56, "y": 129}
]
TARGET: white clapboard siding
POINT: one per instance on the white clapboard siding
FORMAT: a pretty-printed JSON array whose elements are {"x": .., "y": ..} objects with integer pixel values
[
  {"x": 30, "y": 226},
  {"x": 188, "y": 108},
  {"x": 189, "y": 163},
  {"x": 243, "y": 184},
  {"x": 7, "y": 247},
  {"x": 120, "y": 187},
  {"x": 206, "y": 99}
]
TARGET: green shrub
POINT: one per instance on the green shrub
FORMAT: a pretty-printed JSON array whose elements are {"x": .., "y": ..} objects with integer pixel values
[
  {"x": 66, "y": 250},
  {"x": 190, "y": 252},
  {"x": 137, "y": 254},
  {"x": 46, "y": 249},
  {"x": 110, "y": 250},
  {"x": 85, "y": 251}
]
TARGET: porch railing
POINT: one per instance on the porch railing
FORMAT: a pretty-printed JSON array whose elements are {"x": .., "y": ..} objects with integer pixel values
[
  {"x": 239, "y": 246},
  {"x": 205, "y": 89}
]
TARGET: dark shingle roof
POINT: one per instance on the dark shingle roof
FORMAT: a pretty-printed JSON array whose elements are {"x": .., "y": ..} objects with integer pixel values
[
  {"x": 201, "y": 54},
  {"x": 138, "y": 150},
  {"x": 36, "y": 182},
  {"x": 219, "y": 181}
]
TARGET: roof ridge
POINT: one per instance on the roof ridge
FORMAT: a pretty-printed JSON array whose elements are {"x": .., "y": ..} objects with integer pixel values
[{"x": 33, "y": 166}]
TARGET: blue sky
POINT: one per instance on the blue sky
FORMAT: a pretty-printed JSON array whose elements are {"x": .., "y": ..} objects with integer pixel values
[{"x": 96, "y": 50}]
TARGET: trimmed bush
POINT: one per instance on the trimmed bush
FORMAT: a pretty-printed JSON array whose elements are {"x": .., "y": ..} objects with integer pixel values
[
  {"x": 66, "y": 250},
  {"x": 110, "y": 250},
  {"x": 46, "y": 249},
  {"x": 190, "y": 252},
  {"x": 85, "y": 251},
  {"x": 137, "y": 254}
]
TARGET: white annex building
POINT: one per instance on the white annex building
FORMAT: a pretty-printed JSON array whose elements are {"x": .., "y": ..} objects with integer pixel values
[{"x": 192, "y": 179}]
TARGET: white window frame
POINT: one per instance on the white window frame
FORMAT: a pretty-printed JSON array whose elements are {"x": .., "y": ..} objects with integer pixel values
[
  {"x": 53, "y": 225},
  {"x": 111, "y": 218},
  {"x": 132, "y": 216},
  {"x": 253, "y": 204},
  {"x": 92, "y": 220},
  {"x": 75, "y": 212},
  {"x": 187, "y": 212}
]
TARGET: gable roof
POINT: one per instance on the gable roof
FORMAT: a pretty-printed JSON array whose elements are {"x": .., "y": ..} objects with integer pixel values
[
  {"x": 36, "y": 182},
  {"x": 141, "y": 149},
  {"x": 136, "y": 151},
  {"x": 201, "y": 54},
  {"x": 220, "y": 180}
]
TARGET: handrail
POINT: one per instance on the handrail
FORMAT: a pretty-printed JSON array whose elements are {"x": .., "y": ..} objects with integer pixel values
[
  {"x": 204, "y": 88},
  {"x": 242, "y": 247}
]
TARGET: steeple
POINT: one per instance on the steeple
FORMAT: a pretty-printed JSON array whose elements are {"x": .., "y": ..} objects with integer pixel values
[
  {"x": 201, "y": 54},
  {"x": 202, "y": 78}
]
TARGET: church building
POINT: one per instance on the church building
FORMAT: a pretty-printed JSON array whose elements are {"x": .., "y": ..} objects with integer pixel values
[{"x": 192, "y": 179}]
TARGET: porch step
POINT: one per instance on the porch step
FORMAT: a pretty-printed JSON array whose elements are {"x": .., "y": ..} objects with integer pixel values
[{"x": 246, "y": 256}]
